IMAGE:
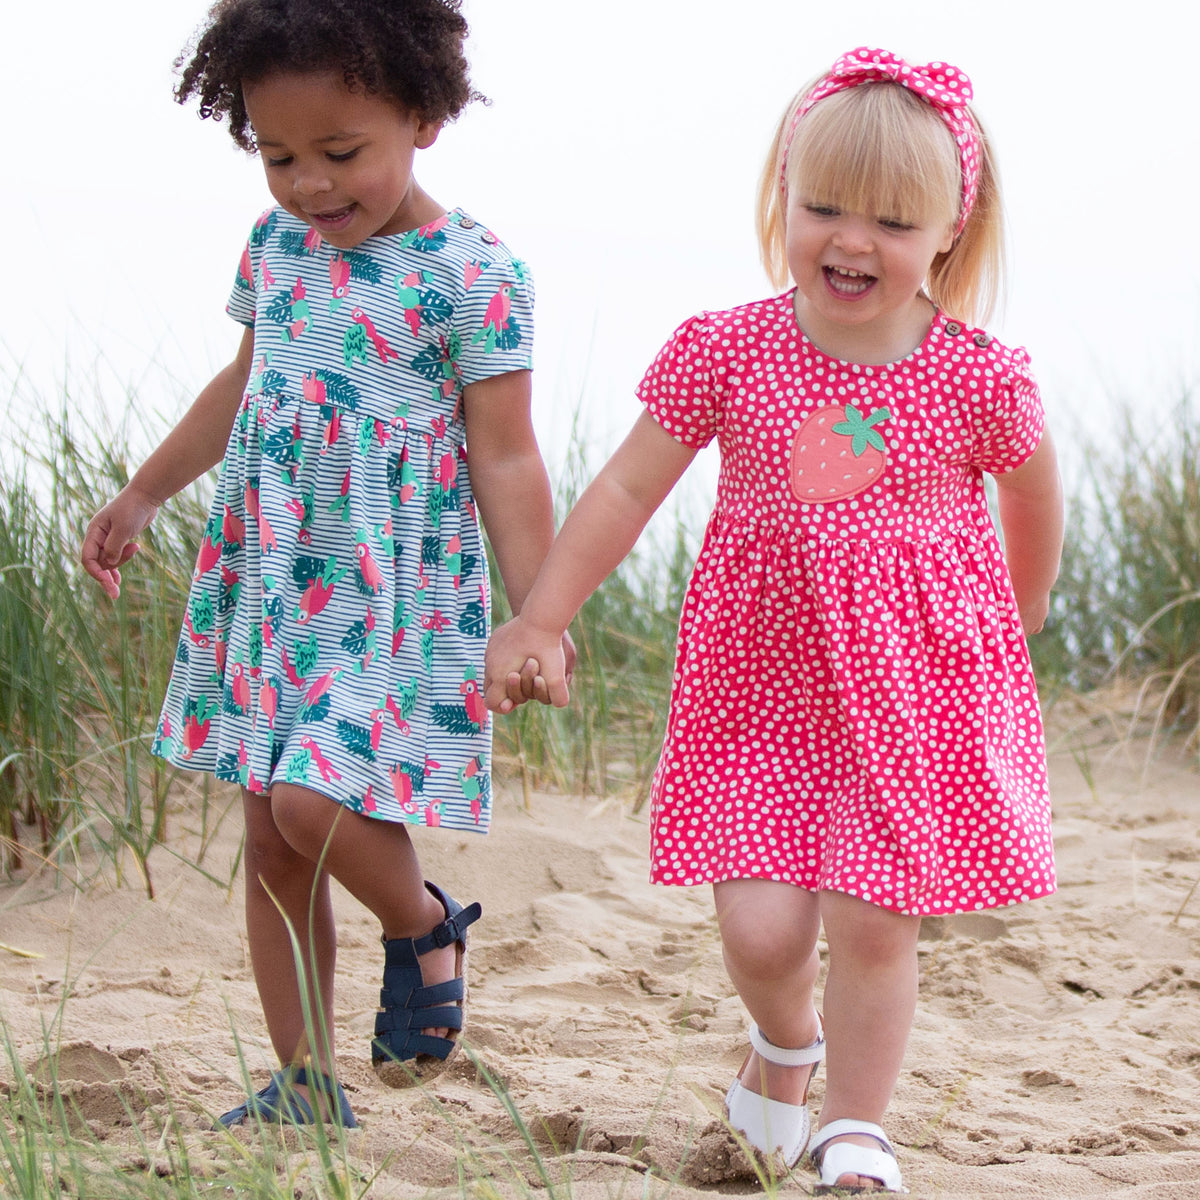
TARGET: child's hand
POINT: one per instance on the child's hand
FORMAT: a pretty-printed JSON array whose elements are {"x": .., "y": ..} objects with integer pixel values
[
  {"x": 524, "y": 663},
  {"x": 108, "y": 544},
  {"x": 1034, "y": 614}
]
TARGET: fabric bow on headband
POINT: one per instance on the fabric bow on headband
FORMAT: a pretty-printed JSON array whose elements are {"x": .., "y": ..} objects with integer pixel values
[{"x": 946, "y": 88}]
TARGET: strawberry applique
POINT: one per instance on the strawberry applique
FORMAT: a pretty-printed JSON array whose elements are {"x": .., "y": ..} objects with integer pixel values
[{"x": 837, "y": 452}]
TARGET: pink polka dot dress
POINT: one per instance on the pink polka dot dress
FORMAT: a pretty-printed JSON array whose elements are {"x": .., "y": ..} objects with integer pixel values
[{"x": 853, "y": 707}]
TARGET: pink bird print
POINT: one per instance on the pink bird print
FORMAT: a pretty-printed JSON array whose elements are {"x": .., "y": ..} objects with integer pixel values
[
  {"x": 436, "y": 620},
  {"x": 196, "y": 726},
  {"x": 439, "y": 425},
  {"x": 267, "y": 277},
  {"x": 472, "y": 271},
  {"x": 367, "y": 566},
  {"x": 313, "y": 388},
  {"x": 268, "y": 701},
  {"x": 251, "y": 500},
  {"x": 254, "y": 784},
  {"x": 328, "y": 771},
  {"x": 452, "y": 557},
  {"x": 294, "y": 677},
  {"x": 369, "y": 804},
  {"x": 195, "y": 734},
  {"x": 233, "y": 528},
  {"x": 197, "y": 639},
  {"x": 209, "y": 555},
  {"x": 446, "y": 471},
  {"x": 240, "y": 687},
  {"x": 433, "y": 813},
  {"x": 312, "y": 240},
  {"x": 246, "y": 268},
  {"x": 408, "y": 477},
  {"x": 402, "y": 788},
  {"x": 380, "y": 343},
  {"x": 300, "y": 311},
  {"x": 339, "y": 281},
  {"x": 317, "y": 595},
  {"x": 266, "y": 535},
  {"x": 408, "y": 292},
  {"x": 321, "y": 686},
  {"x": 473, "y": 699},
  {"x": 368, "y": 641},
  {"x": 219, "y": 649},
  {"x": 499, "y": 307}
]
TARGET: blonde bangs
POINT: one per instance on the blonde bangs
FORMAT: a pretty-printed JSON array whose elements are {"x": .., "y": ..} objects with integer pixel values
[{"x": 877, "y": 149}]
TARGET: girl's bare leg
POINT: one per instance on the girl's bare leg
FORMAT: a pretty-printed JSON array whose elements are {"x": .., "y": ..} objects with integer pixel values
[
  {"x": 274, "y": 868},
  {"x": 769, "y": 939},
  {"x": 869, "y": 1002},
  {"x": 375, "y": 861}
]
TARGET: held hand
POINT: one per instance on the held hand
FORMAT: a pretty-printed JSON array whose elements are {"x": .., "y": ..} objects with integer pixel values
[
  {"x": 108, "y": 543},
  {"x": 531, "y": 684},
  {"x": 1033, "y": 615},
  {"x": 524, "y": 663}
]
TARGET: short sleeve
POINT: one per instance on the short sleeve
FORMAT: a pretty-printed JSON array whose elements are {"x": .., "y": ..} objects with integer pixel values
[
  {"x": 242, "y": 299},
  {"x": 494, "y": 321},
  {"x": 1011, "y": 427},
  {"x": 679, "y": 389}
]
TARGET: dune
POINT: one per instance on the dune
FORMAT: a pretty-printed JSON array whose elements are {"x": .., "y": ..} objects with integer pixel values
[{"x": 1056, "y": 1050}]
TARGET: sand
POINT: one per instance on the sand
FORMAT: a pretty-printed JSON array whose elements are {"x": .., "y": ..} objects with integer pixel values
[{"x": 1056, "y": 1050}]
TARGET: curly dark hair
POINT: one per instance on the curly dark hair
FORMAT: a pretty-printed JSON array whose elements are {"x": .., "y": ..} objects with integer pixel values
[{"x": 408, "y": 50}]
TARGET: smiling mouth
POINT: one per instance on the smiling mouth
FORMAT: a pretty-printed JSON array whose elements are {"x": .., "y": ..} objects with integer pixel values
[
  {"x": 842, "y": 281},
  {"x": 331, "y": 217}
]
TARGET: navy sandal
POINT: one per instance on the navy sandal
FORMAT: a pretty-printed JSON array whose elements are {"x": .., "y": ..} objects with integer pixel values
[
  {"x": 402, "y": 1053},
  {"x": 280, "y": 1102}
]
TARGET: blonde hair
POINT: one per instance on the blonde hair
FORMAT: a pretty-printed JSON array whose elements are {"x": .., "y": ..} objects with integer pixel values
[{"x": 880, "y": 149}]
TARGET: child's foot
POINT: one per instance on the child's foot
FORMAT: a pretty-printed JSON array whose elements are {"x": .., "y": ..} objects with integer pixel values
[
  {"x": 766, "y": 1102},
  {"x": 424, "y": 980},
  {"x": 854, "y": 1155}
]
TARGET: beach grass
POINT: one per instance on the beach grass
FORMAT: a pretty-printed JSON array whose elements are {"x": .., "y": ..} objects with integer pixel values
[
  {"x": 81, "y": 679},
  {"x": 82, "y": 797}
]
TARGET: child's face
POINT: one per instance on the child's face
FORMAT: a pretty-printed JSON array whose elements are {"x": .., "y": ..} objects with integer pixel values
[
  {"x": 858, "y": 279},
  {"x": 339, "y": 160}
]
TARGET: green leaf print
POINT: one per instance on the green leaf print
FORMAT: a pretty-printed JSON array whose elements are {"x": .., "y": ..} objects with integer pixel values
[
  {"x": 357, "y": 640},
  {"x": 264, "y": 227},
  {"x": 305, "y": 655},
  {"x": 297, "y": 768},
  {"x": 356, "y": 739},
  {"x": 315, "y": 712},
  {"x": 415, "y": 772},
  {"x": 453, "y": 718},
  {"x": 279, "y": 308},
  {"x": 254, "y": 645},
  {"x": 436, "y": 309},
  {"x": 268, "y": 382},
  {"x": 202, "y": 614},
  {"x": 338, "y": 388},
  {"x": 363, "y": 267},
  {"x": 230, "y": 769},
  {"x": 473, "y": 621},
  {"x": 859, "y": 429},
  {"x": 429, "y": 364},
  {"x": 292, "y": 243}
]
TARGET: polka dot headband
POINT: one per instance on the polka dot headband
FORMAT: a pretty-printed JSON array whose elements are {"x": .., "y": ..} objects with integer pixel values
[{"x": 945, "y": 88}]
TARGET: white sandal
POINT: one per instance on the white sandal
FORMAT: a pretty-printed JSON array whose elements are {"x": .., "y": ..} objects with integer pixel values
[
  {"x": 848, "y": 1158},
  {"x": 773, "y": 1126}
]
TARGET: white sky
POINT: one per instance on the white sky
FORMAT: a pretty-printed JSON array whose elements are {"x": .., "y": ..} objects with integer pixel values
[{"x": 619, "y": 157}]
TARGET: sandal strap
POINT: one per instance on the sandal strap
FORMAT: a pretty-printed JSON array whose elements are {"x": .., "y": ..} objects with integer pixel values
[
  {"x": 803, "y": 1056},
  {"x": 452, "y": 928},
  {"x": 279, "y": 1101},
  {"x": 845, "y": 1126}
]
